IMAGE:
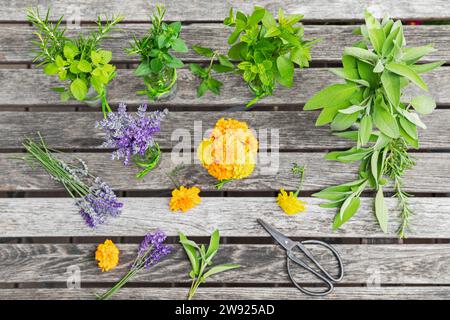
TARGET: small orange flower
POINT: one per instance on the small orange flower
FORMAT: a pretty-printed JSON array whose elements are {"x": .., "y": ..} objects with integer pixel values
[
  {"x": 185, "y": 198},
  {"x": 107, "y": 255},
  {"x": 290, "y": 203}
]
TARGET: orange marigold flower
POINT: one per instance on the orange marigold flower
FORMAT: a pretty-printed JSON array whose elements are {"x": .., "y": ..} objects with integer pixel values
[
  {"x": 107, "y": 255},
  {"x": 185, "y": 198},
  {"x": 290, "y": 203},
  {"x": 230, "y": 151}
]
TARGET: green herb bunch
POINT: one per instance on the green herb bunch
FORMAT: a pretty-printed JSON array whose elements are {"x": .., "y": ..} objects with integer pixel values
[
  {"x": 158, "y": 66},
  {"x": 201, "y": 260},
  {"x": 376, "y": 70},
  {"x": 218, "y": 62},
  {"x": 266, "y": 49},
  {"x": 78, "y": 61}
]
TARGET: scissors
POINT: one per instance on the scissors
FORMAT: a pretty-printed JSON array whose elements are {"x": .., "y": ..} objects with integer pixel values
[{"x": 289, "y": 245}]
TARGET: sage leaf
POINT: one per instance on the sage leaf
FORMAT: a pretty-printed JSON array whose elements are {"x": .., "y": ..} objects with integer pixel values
[
  {"x": 220, "y": 268},
  {"x": 411, "y": 55},
  {"x": 386, "y": 122},
  {"x": 191, "y": 253},
  {"x": 343, "y": 121},
  {"x": 352, "y": 109},
  {"x": 423, "y": 104},
  {"x": 412, "y": 117},
  {"x": 365, "y": 129},
  {"x": 391, "y": 85},
  {"x": 381, "y": 211},
  {"x": 375, "y": 31},
  {"x": 361, "y": 54},
  {"x": 407, "y": 72},
  {"x": 426, "y": 67},
  {"x": 334, "y": 95},
  {"x": 348, "y": 210},
  {"x": 410, "y": 128}
]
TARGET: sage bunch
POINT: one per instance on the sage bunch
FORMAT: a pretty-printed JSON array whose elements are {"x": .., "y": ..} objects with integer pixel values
[
  {"x": 370, "y": 109},
  {"x": 79, "y": 61}
]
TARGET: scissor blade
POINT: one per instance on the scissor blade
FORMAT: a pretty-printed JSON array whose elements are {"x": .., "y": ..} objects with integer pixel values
[{"x": 284, "y": 241}]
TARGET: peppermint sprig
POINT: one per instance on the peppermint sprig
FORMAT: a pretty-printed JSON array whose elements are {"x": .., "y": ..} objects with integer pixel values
[
  {"x": 158, "y": 65},
  {"x": 376, "y": 70}
]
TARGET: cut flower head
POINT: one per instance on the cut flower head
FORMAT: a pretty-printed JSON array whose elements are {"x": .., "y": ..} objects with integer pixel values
[
  {"x": 107, "y": 255},
  {"x": 230, "y": 151},
  {"x": 290, "y": 203},
  {"x": 184, "y": 198}
]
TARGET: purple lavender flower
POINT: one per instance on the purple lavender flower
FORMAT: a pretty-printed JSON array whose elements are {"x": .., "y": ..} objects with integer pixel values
[
  {"x": 131, "y": 135},
  {"x": 100, "y": 203},
  {"x": 152, "y": 249}
]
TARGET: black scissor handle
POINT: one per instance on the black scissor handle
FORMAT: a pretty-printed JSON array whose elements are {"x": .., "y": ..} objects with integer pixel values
[
  {"x": 335, "y": 254},
  {"x": 328, "y": 283},
  {"x": 325, "y": 276}
]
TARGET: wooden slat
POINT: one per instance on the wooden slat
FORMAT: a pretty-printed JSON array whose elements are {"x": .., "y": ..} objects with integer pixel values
[
  {"x": 431, "y": 174},
  {"x": 17, "y": 43},
  {"x": 22, "y": 87},
  {"x": 296, "y": 130},
  {"x": 203, "y": 10},
  {"x": 390, "y": 264},
  {"x": 43, "y": 217},
  {"x": 244, "y": 293}
]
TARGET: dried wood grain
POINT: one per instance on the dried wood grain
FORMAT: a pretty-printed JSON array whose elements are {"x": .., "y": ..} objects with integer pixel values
[
  {"x": 295, "y": 130},
  {"x": 234, "y": 217},
  {"x": 264, "y": 264},
  {"x": 431, "y": 174},
  {"x": 202, "y": 10},
  {"x": 244, "y": 293},
  {"x": 17, "y": 43},
  {"x": 22, "y": 87}
]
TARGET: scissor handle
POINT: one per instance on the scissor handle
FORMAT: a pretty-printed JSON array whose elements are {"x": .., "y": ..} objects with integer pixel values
[
  {"x": 326, "y": 277},
  {"x": 335, "y": 254},
  {"x": 329, "y": 284}
]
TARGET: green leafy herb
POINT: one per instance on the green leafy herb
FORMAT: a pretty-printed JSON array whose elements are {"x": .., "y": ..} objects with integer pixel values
[
  {"x": 267, "y": 49},
  {"x": 375, "y": 70},
  {"x": 158, "y": 65},
  {"x": 201, "y": 260},
  {"x": 219, "y": 63},
  {"x": 78, "y": 61}
]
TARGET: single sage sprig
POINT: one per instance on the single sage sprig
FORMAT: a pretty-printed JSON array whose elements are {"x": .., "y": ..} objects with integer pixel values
[
  {"x": 201, "y": 261},
  {"x": 218, "y": 62}
]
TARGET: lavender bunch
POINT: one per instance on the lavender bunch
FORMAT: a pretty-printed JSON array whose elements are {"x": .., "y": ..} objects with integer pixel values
[
  {"x": 151, "y": 250},
  {"x": 132, "y": 135},
  {"x": 96, "y": 201}
]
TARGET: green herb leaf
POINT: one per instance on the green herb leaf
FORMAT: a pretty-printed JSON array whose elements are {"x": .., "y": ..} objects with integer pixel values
[
  {"x": 381, "y": 210},
  {"x": 334, "y": 95},
  {"x": 179, "y": 45},
  {"x": 407, "y": 72},
  {"x": 423, "y": 104},
  {"x": 79, "y": 89},
  {"x": 143, "y": 69},
  {"x": 391, "y": 85},
  {"x": 84, "y": 66},
  {"x": 348, "y": 210},
  {"x": 361, "y": 54},
  {"x": 220, "y": 268},
  {"x": 190, "y": 249},
  {"x": 365, "y": 129},
  {"x": 51, "y": 69},
  {"x": 386, "y": 122},
  {"x": 286, "y": 69}
]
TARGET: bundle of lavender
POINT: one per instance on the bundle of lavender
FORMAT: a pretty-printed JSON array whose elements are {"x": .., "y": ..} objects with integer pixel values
[{"x": 95, "y": 199}]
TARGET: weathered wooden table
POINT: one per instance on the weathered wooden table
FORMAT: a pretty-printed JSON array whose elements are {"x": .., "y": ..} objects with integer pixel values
[{"x": 44, "y": 241}]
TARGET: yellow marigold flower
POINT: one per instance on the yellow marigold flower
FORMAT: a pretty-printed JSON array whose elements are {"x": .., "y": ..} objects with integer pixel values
[
  {"x": 290, "y": 203},
  {"x": 230, "y": 151},
  {"x": 107, "y": 255},
  {"x": 185, "y": 198}
]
